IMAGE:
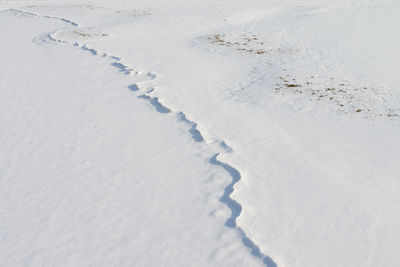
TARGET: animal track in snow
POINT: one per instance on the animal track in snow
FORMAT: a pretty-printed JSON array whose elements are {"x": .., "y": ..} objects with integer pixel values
[
  {"x": 133, "y": 87},
  {"x": 196, "y": 134},
  {"x": 236, "y": 210},
  {"x": 233, "y": 205},
  {"x": 156, "y": 103},
  {"x": 19, "y": 12}
]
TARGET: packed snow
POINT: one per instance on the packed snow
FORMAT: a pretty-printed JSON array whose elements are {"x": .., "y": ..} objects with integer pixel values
[{"x": 199, "y": 133}]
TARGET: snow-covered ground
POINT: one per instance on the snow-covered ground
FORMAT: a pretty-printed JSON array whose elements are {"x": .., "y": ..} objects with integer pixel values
[{"x": 199, "y": 133}]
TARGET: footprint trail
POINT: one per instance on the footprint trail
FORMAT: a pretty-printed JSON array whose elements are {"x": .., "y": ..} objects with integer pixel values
[{"x": 235, "y": 207}]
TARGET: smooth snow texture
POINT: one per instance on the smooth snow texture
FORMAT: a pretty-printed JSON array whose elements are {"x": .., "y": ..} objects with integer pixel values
[{"x": 304, "y": 94}]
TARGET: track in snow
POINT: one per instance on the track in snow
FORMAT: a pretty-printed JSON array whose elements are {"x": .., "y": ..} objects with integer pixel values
[{"x": 235, "y": 207}]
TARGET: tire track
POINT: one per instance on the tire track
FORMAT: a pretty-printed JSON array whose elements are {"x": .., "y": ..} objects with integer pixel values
[{"x": 117, "y": 62}]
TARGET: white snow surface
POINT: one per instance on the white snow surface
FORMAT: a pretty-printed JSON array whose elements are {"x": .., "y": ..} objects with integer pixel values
[{"x": 200, "y": 133}]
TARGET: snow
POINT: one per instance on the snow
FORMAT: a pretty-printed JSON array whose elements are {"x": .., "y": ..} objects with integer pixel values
[
  {"x": 91, "y": 175},
  {"x": 200, "y": 133}
]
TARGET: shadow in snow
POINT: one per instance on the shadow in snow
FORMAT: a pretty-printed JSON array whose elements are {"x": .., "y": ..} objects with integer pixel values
[
  {"x": 15, "y": 11},
  {"x": 225, "y": 146},
  {"x": 236, "y": 210},
  {"x": 235, "y": 207},
  {"x": 115, "y": 58},
  {"x": 122, "y": 68},
  {"x": 196, "y": 135},
  {"x": 133, "y": 87},
  {"x": 91, "y": 50},
  {"x": 154, "y": 102}
]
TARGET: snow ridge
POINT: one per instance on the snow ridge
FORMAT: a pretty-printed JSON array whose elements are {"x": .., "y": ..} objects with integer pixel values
[{"x": 235, "y": 207}]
